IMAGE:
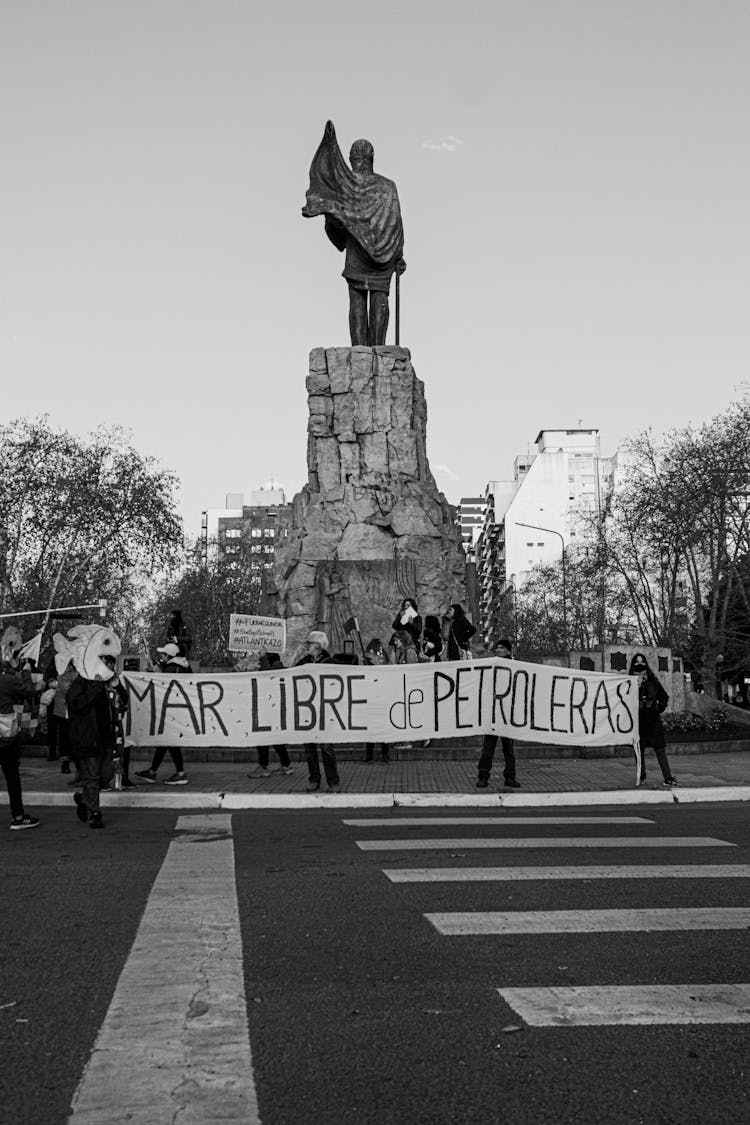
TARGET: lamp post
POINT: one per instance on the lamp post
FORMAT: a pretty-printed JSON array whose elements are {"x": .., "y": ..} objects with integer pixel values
[
  {"x": 510, "y": 587},
  {"x": 551, "y": 531}
]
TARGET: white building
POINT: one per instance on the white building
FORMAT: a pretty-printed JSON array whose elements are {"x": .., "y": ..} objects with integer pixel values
[
  {"x": 529, "y": 518},
  {"x": 220, "y": 524}
]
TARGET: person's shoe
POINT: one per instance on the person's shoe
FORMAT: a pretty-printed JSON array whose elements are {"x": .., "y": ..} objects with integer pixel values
[
  {"x": 260, "y": 773},
  {"x": 176, "y": 779},
  {"x": 641, "y": 781},
  {"x": 511, "y": 783},
  {"x": 313, "y": 787},
  {"x": 81, "y": 811},
  {"x": 670, "y": 782},
  {"x": 334, "y": 784},
  {"x": 128, "y": 784},
  {"x": 287, "y": 770},
  {"x": 147, "y": 775},
  {"x": 65, "y": 766},
  {"x": 482, "y": 783},
  {"x": 25, "y": 821},
  {"x": 95, "y": 820}
]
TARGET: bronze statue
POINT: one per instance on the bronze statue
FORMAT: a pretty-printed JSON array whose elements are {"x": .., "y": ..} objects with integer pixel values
[{"x": 362, "y": 217}]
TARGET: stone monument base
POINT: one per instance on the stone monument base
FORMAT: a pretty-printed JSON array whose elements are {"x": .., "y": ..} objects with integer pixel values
[{"x": 370, "y": 527}]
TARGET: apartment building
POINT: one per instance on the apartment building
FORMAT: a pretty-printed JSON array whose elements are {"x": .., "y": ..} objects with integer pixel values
[
  {"x": 256, "y": 527},
  {"x": 529, "y": 518}
]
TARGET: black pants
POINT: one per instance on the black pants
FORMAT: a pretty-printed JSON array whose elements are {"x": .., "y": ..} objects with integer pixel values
[
  {"x": 661, "y": 757},
  {"x": 281, "y": 752},
  {"x": 57, "y": 735},
  {"x": 329, "y": 762},
  {"x": 370, "y": 750},
  {"x": 10, "y": 756},
  {"x": 487, "y": 757},
  {"x": 159, "y": 754}
]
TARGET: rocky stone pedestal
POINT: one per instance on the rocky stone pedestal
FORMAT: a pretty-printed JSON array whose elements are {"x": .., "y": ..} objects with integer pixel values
[{"x": 370, "y": 527}]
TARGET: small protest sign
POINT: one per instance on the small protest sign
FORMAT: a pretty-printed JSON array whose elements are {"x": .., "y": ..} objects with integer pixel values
[{"x": 256, "y": 634}]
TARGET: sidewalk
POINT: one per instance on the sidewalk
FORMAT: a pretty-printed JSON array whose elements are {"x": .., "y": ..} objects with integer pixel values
[{"x": 432, "y": 781}]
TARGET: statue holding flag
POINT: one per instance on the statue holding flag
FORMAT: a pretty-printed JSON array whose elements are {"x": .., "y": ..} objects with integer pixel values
[{"x": 362, "y": 218}]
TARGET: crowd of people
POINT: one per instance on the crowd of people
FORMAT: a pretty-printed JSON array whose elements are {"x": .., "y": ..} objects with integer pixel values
[{"x": 85, "y": 717}]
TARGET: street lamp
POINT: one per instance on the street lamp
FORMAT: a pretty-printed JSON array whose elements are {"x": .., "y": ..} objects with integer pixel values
[
  {"x": 510, "y": 587},
  {"x": 551, "y": 531}
]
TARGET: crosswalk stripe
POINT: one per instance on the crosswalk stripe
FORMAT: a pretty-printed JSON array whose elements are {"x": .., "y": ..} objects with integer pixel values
[
  {"x": 174, "y": 1044},
  {"x": 590, "y": 921},
  {"x": 630, "y": 1004},
  {"x": 502, "y": 820},
  {"x": 466, "y": 843},
  {"x": 513, "y": 874}
]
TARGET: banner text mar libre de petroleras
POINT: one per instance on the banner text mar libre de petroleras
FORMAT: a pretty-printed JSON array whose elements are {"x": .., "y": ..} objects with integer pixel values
[{"x": 350, "y": 703}]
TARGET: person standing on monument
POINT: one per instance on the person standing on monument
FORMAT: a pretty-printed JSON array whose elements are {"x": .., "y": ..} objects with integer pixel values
[
  {"x": 316, "y": 652},
  {"x": 408, "y": 620},
  {"x": 460, "y": 633},
  {"x": 363, "y": 218}
]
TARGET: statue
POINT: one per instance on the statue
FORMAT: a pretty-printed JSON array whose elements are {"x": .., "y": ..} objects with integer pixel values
[{"x": 362, "y": 217}]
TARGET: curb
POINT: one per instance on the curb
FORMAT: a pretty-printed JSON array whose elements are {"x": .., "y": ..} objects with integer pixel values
[{"x": 266, "y": 801}]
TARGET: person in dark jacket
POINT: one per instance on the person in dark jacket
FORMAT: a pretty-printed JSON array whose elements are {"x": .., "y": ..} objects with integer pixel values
[
  {"x": 460, "y": 631},
  {"x": 271, "y": 662},
  {"x": 15, "y": 687},
  {"x": 408, "y": 619},
  {"x": 92, "y": 739},
  {"x": 317, "y": 653},
  {"x": 432, "y": 641},
  {"x": 179, "y": 634},
  {"x": 171, "y": 663},
  {"x": 502, "y": 648},
  {"x": 652, "y": 700}
]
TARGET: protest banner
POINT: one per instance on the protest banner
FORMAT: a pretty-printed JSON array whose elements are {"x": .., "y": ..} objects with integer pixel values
[
  {"x": 352, "y": 703},
  {"x": 256, "y": 634}
]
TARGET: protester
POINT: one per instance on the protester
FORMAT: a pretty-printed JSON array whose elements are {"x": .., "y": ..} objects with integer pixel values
[
  {"x": 376, "y": 655},
  {"x": 60, "y": 714},
  {"x": 316, "y": 653},
  {"x": 460, "y": 633},
  {"x": 432, "y": 641},
  {"x": 408, "y": 619},
  {"x": 502, "y": 648},
  {"x": 92, "y": 740},
  {"x": 179, "y": 634},
  {"x": 15, "y": 688},
  {"x": 405, "y": 650},
  {"x": 118, "y": 700},
  {"x": 172, "y": 663},
  {"x": 652, "y": 700},
  {"x": 272, "y": 662}
]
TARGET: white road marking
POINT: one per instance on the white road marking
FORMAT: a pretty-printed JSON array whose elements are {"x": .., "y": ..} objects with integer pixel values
[
  {"x": 590, "y": 921},
  {"x": 511, "y": 874},
  {"x": 630, "y": 1004},
  {"x": 463, "y": 844},
  {"x": 502, "y": 820},
  {"x": 174, "y": 1045}
]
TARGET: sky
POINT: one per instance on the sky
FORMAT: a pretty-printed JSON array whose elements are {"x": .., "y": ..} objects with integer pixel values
[{"x": 574, "y": 178}]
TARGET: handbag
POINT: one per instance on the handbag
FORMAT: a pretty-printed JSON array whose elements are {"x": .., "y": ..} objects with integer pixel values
[{"x": 10, "y": 725}]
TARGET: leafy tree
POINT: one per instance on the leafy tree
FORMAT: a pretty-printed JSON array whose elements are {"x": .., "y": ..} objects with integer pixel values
[
  {"x": 81, "y": 518},
  {"x": 206, "y": 593}
]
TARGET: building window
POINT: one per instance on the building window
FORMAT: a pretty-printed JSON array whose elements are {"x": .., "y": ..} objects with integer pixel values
[
  {"x": 255, "y": 533},
  {"x": 232, "y": 533}
]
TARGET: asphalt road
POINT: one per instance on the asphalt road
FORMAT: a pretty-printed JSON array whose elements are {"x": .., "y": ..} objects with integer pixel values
[{"x": 360, "y": 1010}]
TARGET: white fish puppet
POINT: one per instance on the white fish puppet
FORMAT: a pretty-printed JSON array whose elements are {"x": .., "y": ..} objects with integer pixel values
[
  {"x": 85, "y": 645},
  {"x": 11, "y": 644}
]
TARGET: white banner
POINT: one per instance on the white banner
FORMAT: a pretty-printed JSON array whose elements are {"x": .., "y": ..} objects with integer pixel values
[
  {"x": 256, "y": 634},
  {"x": 349, "y": 703}
]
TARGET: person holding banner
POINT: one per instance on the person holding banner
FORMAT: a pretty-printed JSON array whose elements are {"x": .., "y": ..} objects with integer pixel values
[
  {"x": 271, "y": 662},
  {"x": 15, "y": 688},
  {"x": 652, "y": 700},
  {"x": 503, "y": 649},
  {"x": 460, "y": 633},
  {"x": 317, "y": 653}
]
